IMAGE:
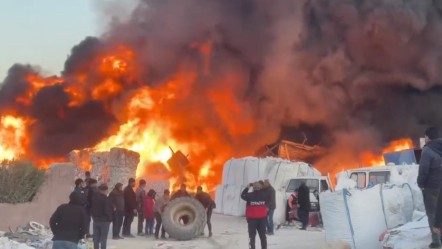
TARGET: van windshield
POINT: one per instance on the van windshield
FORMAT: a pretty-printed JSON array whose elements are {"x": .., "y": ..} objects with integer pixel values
[{"x": 312, "y": 184}]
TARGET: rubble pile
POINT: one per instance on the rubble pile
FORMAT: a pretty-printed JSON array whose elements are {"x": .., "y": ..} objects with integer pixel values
[{"x": 31, "y": 236}]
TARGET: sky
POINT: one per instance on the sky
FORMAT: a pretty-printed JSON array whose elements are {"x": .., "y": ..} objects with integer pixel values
[{"x": 42, "y": 32}]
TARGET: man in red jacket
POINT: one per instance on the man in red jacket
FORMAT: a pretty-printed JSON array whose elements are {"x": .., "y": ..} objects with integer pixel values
[{"x": 256, "y": 213}]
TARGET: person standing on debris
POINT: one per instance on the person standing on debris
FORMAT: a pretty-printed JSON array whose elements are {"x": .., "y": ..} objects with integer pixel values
[
  {"x": 101, "y": 215},
  {"x": 181, "y": 193},
  {"x": 68, "y": 223},
  {"x": 271, "y": 205},
  {"x": 256, "y": 213},
  {"x": 141, "y": 195},
  {"x": 303, "y": 205},
  {"x": 149, "y": 203},
  {"x": 207, "y": 202},
  {"x": 159, "y": 206},
  {"x": 430, "y": 178},
  {"x": 117, "y": 199},
  {"x": 130, "y": 208},
  {"x": 91, "y": 189}
]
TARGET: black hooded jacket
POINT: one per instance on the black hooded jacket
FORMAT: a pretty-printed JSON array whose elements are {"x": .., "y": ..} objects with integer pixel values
[
  {"x": 430, "y": 165},
  {"x": 68, "y": 223}
]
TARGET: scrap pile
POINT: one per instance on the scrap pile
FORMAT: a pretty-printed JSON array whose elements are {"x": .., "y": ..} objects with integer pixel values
[{"x": 31, "y": 236}]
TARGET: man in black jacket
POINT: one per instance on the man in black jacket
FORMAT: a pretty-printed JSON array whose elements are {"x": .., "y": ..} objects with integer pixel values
[
  {"x": 303, "y": 205},
  {"x": 117, "y": 199},
  {"x": 68, "y": 223},
  {"x": 102, "y": 216},
  {"x": 207, "y": 202},
  {"x": 130, "y": 207},
  {"x": 90, "y": 189},
  {"x": 430, "y": 178},
  {"x": 256, "y": 213},
  {"x": 182, "y": 192},
  {"x": 271, "y": 205}
]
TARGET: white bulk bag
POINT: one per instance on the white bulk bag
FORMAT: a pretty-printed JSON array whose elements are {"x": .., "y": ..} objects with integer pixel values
[
  {"x": 219, "y": 199},
  {"x": 233, "y": 171},
  {"x": 255, "y": 170},
  {"x": 397, "y": 203},
  {"x": 279, "y": 214},
  {"x": 232, "y": 202}
]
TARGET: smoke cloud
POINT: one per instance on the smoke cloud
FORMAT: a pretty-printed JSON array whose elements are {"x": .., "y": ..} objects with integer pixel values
[{"x": 353, "y": 74}]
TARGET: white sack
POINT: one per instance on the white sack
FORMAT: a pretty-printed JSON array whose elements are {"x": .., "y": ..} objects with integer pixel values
[
  {"x": 334, "y": 216},
  {"x": 413, "y": 235},
  {"x": 397, "y": 205},
  {"x": 344, "y": 182},
  {"x": 360, "y": 216}
]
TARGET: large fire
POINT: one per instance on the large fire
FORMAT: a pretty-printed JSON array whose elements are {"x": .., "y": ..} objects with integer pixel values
[
  {"x": 370, "y": 159},
  {"x": 146, "y": 122}
]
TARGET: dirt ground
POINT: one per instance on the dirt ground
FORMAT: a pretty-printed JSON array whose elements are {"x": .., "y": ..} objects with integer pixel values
[{"x": 228, "y": 232}]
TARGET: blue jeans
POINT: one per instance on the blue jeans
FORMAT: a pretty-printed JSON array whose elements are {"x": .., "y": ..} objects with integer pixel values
[
  {"x": 149, "y": 226},
  {"x": 270, "y": 220},
  {"x": 101, "y": 229},
  {"x": 61, "y": 244}
]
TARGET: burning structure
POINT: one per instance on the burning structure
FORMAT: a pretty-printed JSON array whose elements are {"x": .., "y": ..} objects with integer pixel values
[{"x": 220, "y": 78}]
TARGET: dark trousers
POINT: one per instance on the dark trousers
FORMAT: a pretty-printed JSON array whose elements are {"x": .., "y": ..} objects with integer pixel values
[
  {"x": 430, "y": 201},
  {"x": 270, "y": 220},
  {"x": 159, "y": 220},
  {"x": 303, "y": 216},
  {"x": 128, "y": 219},
  {"x": 209, "y": 218},
  {"x": 88, "y": 223},
  {"x": 140, "y": 222},
  {"x": 60, "y": 244},
  {"x": 101, "y": 229},
  {"x": 149, "y": 226},
  {"x": 117, "y": 223},
  {"x": 257, "y": 225}
]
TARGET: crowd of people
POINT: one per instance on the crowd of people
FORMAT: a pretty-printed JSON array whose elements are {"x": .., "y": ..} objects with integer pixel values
[{"x": 90, "y": 202}]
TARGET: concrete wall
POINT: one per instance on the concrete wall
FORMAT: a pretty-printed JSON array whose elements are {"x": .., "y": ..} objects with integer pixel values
[{"x": 54, "y": 191}]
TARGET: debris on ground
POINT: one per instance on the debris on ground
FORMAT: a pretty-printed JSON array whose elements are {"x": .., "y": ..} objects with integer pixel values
[{"x": 32, "y": 236}]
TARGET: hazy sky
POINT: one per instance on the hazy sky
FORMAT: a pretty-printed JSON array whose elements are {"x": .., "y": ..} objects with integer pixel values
[{"x": 42, "y": 32}]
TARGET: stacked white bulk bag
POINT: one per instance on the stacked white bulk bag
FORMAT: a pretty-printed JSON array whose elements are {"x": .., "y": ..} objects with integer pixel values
[
  {"x": 238, "y": 173},
  {"x": 359, "y": 217},
  {"x": 282, "y": 171},
  {"x": 232, "y": 204},
  {"x": 279, "y": 214},
  {"x": 219, "y": 195}
]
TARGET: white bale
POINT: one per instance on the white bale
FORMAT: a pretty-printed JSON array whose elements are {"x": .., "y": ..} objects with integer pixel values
[
  {"x": 281, "y": 172},
  {"x": 412, "y": 235},
  {"x": 232, "y": 202},
  {"x": 233, "y": 172},
  {"x": 354, "y": 216},
  {"x": 255, "y": 170},
  {"x": 219, "y": 195},
  {"x": 334, "y": 216},
  {"x": 397, "y": 204},
  {"x": 279, "y": 215}
]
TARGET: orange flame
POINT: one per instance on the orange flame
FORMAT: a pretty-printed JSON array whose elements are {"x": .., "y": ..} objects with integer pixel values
[{"x": 370, "y": 159}]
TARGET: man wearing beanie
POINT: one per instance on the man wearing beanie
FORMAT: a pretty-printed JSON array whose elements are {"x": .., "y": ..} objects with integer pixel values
[{"x": 102, "y": 215}]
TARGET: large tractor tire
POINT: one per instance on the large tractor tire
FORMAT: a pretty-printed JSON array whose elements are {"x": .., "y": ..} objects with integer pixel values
[{"x": 184, "y": 218}]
